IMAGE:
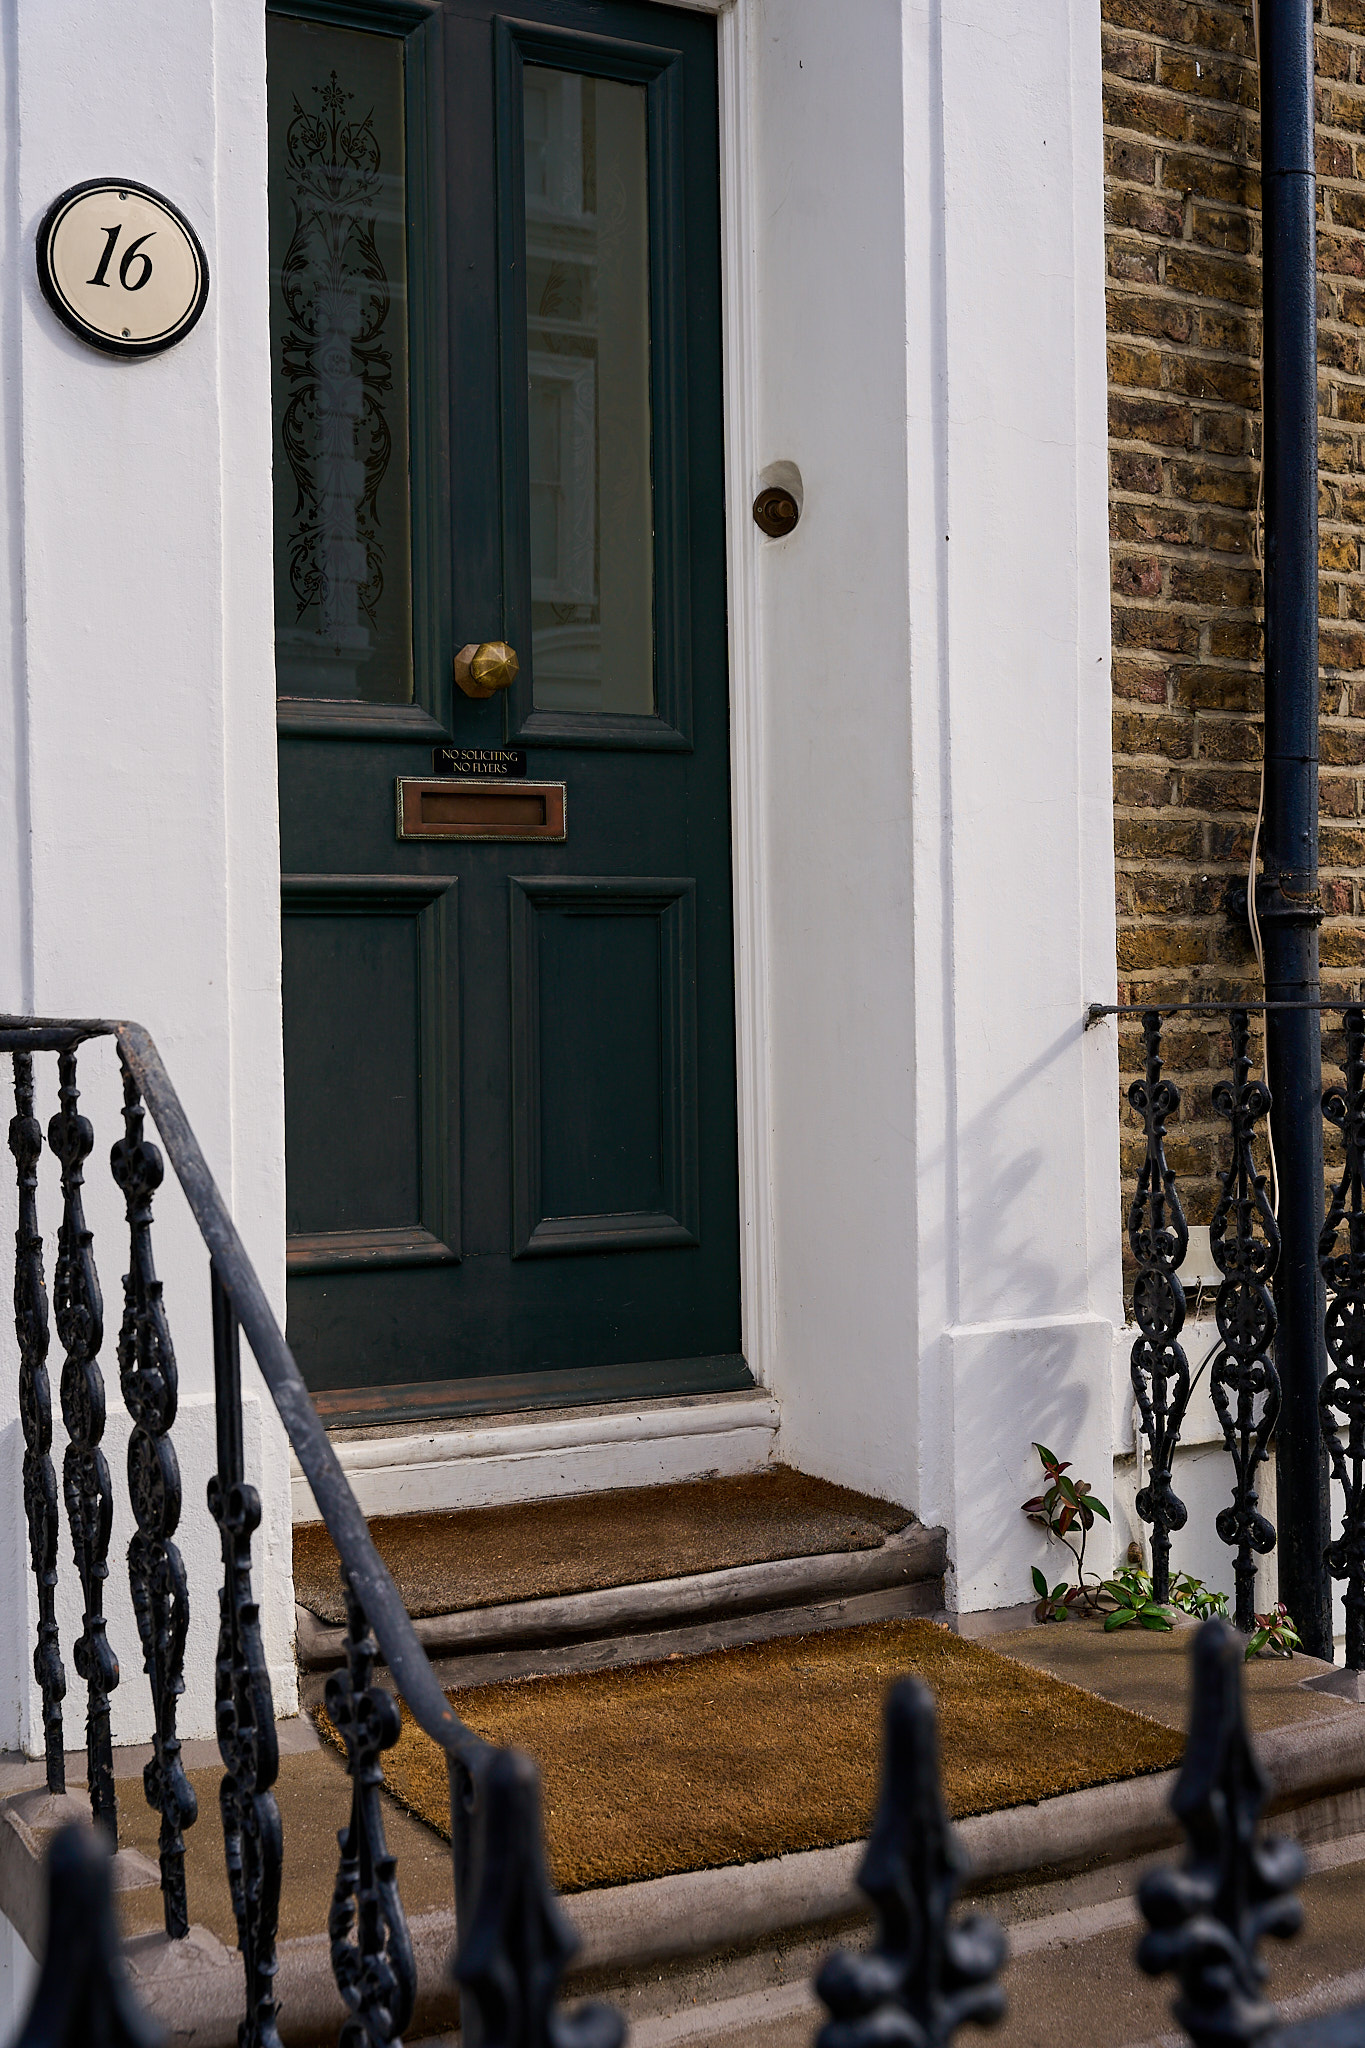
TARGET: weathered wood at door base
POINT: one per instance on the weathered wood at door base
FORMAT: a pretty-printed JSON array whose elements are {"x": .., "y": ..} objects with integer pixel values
[{"x": 911, "y": 1556}]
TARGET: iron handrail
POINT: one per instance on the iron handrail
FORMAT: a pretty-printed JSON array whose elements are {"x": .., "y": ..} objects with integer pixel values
[
  {"x": 337, "y": 1504},
  {"x": 1095, "y": 1011}
]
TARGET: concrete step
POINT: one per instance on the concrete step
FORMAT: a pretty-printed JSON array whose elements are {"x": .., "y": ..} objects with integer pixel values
[
  {"x": 693, "y": 1613},
  {"x": 1070, "y": 1973}
]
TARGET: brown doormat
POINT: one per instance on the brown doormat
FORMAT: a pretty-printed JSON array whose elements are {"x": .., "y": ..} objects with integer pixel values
[
  {"x": 481, "y": 1557},
  {"x": 752, "y": 1752}
]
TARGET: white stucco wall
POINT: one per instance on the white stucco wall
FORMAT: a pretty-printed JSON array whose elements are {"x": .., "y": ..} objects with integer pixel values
[
  {"x": 936, "y": 677},
  {"x": 916, "y": 281},
  {"x": 139, "y": 874}
]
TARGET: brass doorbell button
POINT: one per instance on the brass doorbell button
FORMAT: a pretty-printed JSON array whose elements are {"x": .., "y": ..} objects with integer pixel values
[{"x": 776, "y": 512}]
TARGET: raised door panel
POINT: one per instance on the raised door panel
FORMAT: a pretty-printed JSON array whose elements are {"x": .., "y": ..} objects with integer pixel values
[
  {"x": 369, "y": 1017},
  {"x": 604, "y": 1035}
]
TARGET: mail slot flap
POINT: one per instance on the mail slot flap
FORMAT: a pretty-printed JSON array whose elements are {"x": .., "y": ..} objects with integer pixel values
[{"x": 464, "y": 807}]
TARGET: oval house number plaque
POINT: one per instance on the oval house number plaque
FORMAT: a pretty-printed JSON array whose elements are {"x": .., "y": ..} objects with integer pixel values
[{"x": 122, "y": 267}]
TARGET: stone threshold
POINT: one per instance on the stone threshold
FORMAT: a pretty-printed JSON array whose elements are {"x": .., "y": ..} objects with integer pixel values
[{"x": 489, "y": 1460}]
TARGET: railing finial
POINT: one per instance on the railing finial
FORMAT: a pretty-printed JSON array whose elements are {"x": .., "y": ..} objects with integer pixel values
[
  {"x": 1207, "y": 1919},
  {"x": 518, "y": 1944},
  {"x": 83, "y": 1998},
  {"x": 927, "y": 1974}
]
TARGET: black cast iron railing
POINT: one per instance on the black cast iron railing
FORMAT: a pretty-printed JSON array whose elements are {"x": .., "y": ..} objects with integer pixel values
[
  {"x": 1244, "y": 1240},
  {"x": 928, "y": 1970},
  {"x": 514, "y": 1942}
]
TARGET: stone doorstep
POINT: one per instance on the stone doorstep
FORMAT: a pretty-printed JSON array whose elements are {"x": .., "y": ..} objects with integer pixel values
[
  {"x": 914, "y": 1557},
  {"x": 712, "y": 1929},
  {"x": 486, "y": 1460}
]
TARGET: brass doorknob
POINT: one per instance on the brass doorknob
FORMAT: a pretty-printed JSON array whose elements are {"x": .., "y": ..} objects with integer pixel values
[{"x": 483, "y": 668}]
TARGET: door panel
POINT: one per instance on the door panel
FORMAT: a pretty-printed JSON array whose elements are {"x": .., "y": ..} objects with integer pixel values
[
  {"x": 604, "y": 1027},
  {"x": 512, "y": 1153},
  {"x": 371, "y": 1008}
]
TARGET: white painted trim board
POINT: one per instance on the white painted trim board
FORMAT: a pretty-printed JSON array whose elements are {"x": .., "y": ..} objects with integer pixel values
[{"x": 493, "y": 1460}]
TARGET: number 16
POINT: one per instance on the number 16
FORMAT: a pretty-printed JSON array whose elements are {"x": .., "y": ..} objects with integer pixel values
[{"x": 134, "y": 253}]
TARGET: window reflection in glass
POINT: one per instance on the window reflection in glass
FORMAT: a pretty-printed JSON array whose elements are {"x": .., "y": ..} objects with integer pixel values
[
  {"x": 587, "y": 356},
  {"x": 339, "y": 363}
]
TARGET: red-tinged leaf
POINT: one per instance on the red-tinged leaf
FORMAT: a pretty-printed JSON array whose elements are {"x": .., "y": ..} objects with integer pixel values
[
  {"x": 1068, "y": 1492},
  {"x": 1034, "y": 1506},
  {"x": 1068, "y": 1516},
  {"x": 1045, "y": 1454}
]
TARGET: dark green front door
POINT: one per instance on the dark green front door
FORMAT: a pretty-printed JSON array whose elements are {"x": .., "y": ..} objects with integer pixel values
[{"x": 509, "y": 1062}]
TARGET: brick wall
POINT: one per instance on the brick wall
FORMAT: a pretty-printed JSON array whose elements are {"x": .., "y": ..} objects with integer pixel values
[{"x": 1183, "y": 242}]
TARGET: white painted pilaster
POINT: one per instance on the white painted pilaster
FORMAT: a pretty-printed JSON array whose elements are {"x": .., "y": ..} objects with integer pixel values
[
  {"x": 138, "y": 715},
  {"x": 930, "y": 332}
]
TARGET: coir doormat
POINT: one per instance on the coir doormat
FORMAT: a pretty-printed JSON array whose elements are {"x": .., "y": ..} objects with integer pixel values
[
  {"x": 543, "y": 1549},
  {"x": 753, "y": 1752}
]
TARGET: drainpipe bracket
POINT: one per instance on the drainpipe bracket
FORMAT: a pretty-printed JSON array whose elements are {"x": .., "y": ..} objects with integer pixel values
[{"x": 1284, "y": 902}]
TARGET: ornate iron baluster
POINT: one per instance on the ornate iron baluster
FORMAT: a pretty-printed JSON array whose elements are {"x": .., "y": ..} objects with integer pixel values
[
  {"x": 1342, "y": 1399},
  {"x": 156, "y": 1573},
  {"x": 928, "y": 1975},
  {"x": 517, "y": 1943},
  {"x": 372, "y": 1957},
  {"x": 35, "y": 1411},
  {"x": 1208, "y": 1919},
  {"x": 1245, "y": 1243},
  {"x": 245, "y": 1715},
  {"x": 1159, "y": 1369},
  {"x": 79, "y": 1311},
  {"x": 83, "y": 1998}
]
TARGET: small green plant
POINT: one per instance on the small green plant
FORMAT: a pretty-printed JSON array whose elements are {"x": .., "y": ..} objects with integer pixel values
[
  {"x": 1192, "y": 1596},
  {"x": 1066, "y": 1508},
  {"x": 1055, "y": 1603},
  {"x": 1274, "y": 1632},
  {"x": 1131, "y": 1592}
]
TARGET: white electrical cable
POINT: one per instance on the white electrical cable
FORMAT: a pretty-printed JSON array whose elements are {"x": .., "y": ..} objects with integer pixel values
[
  {"x": 1255, "y": 924},
  {"x": 1258, "y": 556}
]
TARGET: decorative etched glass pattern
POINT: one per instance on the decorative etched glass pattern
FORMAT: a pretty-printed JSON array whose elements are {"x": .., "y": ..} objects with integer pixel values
[
  {"x": 587, "y": 363},
  {"x": 339, "y": 363}
]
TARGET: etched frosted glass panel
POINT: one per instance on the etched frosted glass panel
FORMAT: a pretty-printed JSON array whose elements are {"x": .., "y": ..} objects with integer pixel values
[
  {"x": 339, "y": 363},
  {"x": 587, "y": 360}
]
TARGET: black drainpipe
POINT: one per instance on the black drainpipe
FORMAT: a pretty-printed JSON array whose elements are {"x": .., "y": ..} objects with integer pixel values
[{"x": 1287, "y": 897}]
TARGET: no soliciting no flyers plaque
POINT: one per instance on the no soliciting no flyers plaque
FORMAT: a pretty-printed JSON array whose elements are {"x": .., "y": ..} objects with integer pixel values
[{"x": 122, "y": 267}]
